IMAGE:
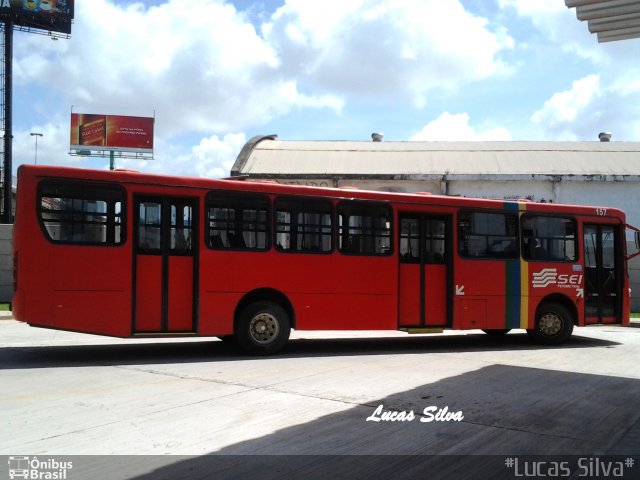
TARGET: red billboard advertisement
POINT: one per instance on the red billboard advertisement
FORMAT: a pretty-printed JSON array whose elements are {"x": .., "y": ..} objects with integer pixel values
[
  {"x": 120, "y": 133},
  {"x": 47, "y": 15}
]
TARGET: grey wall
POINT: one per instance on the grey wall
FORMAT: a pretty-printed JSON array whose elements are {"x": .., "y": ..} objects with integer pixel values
[{"x": 6, "y": 264}]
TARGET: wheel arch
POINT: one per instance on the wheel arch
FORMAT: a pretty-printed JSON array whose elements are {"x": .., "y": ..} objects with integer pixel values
[
  {"x": 562, "y": 300},
  {"x": 262, "y": 295}
]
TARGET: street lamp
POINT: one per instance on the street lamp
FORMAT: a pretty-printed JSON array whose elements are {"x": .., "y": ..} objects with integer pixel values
[{"x": 34, "y": 134}]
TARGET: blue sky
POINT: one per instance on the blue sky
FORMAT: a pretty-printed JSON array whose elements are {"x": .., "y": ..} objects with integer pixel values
[{"x": 215, "y": 73}]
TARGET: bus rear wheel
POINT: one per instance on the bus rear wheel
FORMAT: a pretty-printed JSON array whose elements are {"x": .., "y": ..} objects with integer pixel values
[
  {"x": 263, "y": 328},
  {"x": 554, "y": 324}
]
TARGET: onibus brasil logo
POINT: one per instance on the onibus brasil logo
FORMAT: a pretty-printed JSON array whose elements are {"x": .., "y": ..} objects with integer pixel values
[{"x": 34, "y": 468}]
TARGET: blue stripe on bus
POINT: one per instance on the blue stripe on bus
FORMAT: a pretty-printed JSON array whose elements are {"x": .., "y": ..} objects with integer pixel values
[{"x": 512, "y": 283}]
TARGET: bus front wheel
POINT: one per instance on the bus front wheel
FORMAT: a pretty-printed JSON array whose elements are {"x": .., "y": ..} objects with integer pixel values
[
  {"x": 263, "y": 328},
  {"x": 554, "y": 324}
]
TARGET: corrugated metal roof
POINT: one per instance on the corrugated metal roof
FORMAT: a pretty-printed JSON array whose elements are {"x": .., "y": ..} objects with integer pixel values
[
  {"x": 611, "y": 20},
  {"x": 273, "y": 158}
]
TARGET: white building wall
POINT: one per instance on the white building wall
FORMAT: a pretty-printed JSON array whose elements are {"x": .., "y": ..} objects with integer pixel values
[
  {"x": 399, "y": 186},
  {"x": 623, "y": 195},
  {"x": 532, "y": 190},
  {"x": 308, "y": 182}
]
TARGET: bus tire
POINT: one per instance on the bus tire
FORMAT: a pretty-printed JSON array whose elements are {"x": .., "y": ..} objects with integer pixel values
[
  {"x": 554, "y": 324},
  {"x": 496, "y": 332},
  {"x": 263, "y": 328}
]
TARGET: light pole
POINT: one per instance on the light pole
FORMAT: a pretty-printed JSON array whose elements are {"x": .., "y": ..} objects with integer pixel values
[{"x": 34, "y": 134}]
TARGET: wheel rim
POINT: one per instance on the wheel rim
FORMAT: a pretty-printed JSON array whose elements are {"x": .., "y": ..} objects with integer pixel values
[
  {"x": 264, "y": 328},
  {"x": 550, "y": 324}
]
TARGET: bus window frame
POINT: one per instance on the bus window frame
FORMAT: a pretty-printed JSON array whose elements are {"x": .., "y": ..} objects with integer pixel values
[
  {"x": 302, "y": 200},
  {"x": 366, "y": 204},
  {"x": 241, "y": 197},
  {"x": 576, "y": 243},
  {"x": 66, "y": 182},
  {"x": 458, "y": 239}
]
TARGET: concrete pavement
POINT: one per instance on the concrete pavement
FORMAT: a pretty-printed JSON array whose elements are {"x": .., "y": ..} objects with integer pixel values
[{"x": 70, "y": 394}]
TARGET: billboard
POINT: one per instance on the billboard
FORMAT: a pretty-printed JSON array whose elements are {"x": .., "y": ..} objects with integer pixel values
[
  {"x": 47, "y": 15},
  {"x": 116, "y": 133}
]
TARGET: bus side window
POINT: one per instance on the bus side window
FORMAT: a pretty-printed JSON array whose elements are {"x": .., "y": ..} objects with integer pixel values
[
  {"x": 364, "y": 229},
  {"x": 75, "y": 212},
  {"x": 303, "y": 225},
  {"x": 488, "y": 235},
  {"x": 549, "y": 238},
  {"x": 237, "y": 221}
]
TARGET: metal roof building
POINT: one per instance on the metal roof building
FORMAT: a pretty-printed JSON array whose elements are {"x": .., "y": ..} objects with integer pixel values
[
  {"x": 611, "y": 20},
  {"x": 267, "y": 157}
]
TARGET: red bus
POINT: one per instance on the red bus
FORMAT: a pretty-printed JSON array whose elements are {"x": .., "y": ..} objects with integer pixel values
[{"x": 129, "y": 254}]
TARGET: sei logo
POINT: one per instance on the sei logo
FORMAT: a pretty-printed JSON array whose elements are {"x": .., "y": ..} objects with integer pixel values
[{"x": 550, "y": 276}]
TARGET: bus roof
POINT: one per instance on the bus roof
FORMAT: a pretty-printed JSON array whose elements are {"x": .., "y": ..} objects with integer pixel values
[{"x": 271, "y": 187}]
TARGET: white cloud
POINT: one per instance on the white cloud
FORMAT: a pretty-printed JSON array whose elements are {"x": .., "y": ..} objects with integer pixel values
[
  {"x": 206, "y": 72},
  {"x": 560, "y": 26},
  {"x": 204, "y": 69},
  {"x": 567, "y": 105},
  {"x": 628, "y": 82},
  {"x": 393, "y": 48},
  {"x": 53, "y": 145},
  {"x": 211, "y": 157},
  {"x": 591, "y": 106},
  {"x": 215, "y": 156},
  {"x": 455, "y": 127},
  {"x": 534, "y": 7}
]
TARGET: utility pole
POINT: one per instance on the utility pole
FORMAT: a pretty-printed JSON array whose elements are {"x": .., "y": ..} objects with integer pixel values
[
  {"x": 7, "y": 181},
  {"x": 35, "y": 134}
]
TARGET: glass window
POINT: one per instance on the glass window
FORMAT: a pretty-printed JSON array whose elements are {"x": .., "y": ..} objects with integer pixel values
[
  {"x": 410, "y": 240},
  {"x": 303, "y": 225},
  {"x": 548, "y": 238},
  {"x": 81, "y": 213},
  {"x": 237, "y": 222},
  {"x": 181, "y": 228},
  {"x": 488, "y": 235},
  {"x": 431, "y": 249},
  {"x": 364, "y": 229},
  {"x": 150, "y": 227}
]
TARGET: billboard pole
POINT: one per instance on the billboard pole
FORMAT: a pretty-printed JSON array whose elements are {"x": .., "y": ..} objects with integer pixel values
[
  {"x": 7, "y": 187},
  {"x": 29, "y": 16}
]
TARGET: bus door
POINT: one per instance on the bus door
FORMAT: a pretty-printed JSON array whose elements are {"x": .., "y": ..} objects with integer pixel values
[
  {"x": 164, "y": 265},
  {"x": 603, "y": 281},
  {"x": 425, "y": 271}
]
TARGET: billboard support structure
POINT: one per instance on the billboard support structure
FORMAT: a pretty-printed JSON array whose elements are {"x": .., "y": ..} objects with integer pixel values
[
  {"x": 50, "y": 17},
  {"x": 7, "y": 171}
]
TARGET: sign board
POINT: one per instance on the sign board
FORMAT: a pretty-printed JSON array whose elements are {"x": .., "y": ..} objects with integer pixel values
[
  {"x": 117, "y": 133},
  {"x": 47, "y": 15}
]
